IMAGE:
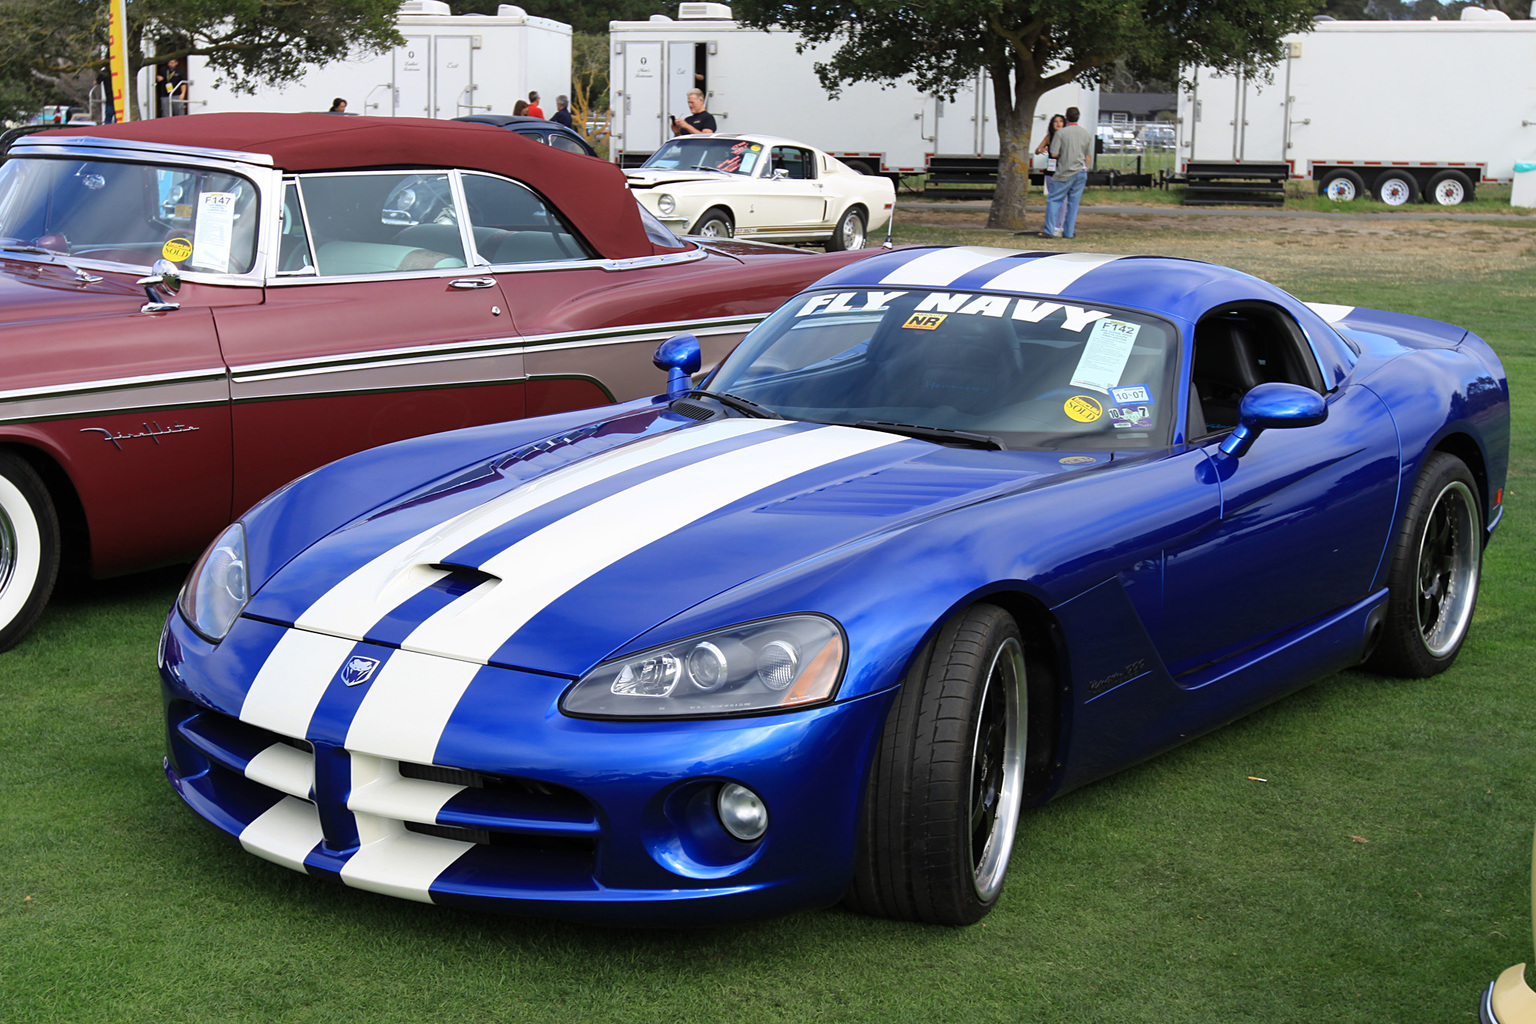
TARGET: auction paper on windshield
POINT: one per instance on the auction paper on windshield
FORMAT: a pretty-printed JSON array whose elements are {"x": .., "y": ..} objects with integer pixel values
[
  {"x": 211, "y": 237},
  {"x": 1105, "y": 355}
]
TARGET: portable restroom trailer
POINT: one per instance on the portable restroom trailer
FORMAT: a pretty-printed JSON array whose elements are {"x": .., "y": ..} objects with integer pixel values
[
  {"x": 450, "y": 65},
  {"x": 756, "y": 81},
  {"x": 1396, "y": 109}
]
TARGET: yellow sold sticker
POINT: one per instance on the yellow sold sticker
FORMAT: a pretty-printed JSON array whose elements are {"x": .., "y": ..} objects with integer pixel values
[
  {"x": 1083, "y": 408},
  {"x": 925, "y": 321},
  {"x": 176, "y": 249}
]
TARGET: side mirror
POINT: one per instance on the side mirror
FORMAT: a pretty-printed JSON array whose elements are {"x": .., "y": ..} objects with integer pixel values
[
  {"x": 1270, "y": 407},
  {"x": 165, "y": 276},
  {"x": 780, "y": 174},
  {"x": 681, "y": 357}
]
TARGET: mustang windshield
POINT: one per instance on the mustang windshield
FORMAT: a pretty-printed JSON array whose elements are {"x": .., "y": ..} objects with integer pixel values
[
  {"x": 707, "y": 153},
  {"x": 132, "y": 213},
  {"x": 1030, "y": 372}
]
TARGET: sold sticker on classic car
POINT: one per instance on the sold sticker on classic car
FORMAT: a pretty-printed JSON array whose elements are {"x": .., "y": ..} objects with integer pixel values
[
  {"x": 176, "y": 249},
  {"x": 1105, "y": 355},
  {"x": 1083, "y": 408},
  {"x": 211, "y": 237}
]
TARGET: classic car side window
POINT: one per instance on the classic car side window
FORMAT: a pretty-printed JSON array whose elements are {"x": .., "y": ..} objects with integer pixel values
[
  {"x": 511, "y": 224},
  {"x": 381, "y": 223},
  {"x": 294, "y": 255},
  {"x": 1237, "y": 347},
  {"x": 800, "y": 163}
]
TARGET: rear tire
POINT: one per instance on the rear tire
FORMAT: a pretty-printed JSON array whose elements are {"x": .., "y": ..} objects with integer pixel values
[
  {"x": 1396, "y": 188},
  {"x": 715, "y": 223},
  {"x": 1341, "y": 186},
  {"x": 942, "y": 803},
  {"x": 1449, "y": 188},
  {"x": 1436, "y": 565},
  {"x": 29, "y": 548}
]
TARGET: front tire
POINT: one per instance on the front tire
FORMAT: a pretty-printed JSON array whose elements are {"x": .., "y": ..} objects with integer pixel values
[
  {"x": 849, "y": 233},
  {"x": 1436, "y": 565},
  {"x": 29, "y": 548},
  {"x": 942, "y": 803},
  {"x": 714, "y": 224}
]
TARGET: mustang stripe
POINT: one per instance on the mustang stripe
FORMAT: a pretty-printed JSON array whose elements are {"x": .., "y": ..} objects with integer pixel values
[
  {"x": 937, "y": 269},
  {"x": 1049, "y": 275},
  {"x": 355, "y": 604},
  {"x": 288, "y": 688},
  {"x": 285, "y": 833},
  {"x": 546, "y": 564}
]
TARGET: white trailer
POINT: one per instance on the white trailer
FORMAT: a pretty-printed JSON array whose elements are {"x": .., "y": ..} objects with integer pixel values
[
  {"x": 450, "y": 65},
  {"x": 1397, "y": 109},
  {"x": 755, "y": 81}
]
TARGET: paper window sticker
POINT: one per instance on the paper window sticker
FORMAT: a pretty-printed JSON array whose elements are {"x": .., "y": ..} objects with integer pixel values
[
  {"x": 211, "y": 237},
  {"x": 1105, "y": 354},
  {"x": 1132, "y": 394}
]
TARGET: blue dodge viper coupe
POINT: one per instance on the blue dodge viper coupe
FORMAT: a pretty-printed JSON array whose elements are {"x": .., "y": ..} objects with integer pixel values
[{"x": 952, "y": 532}]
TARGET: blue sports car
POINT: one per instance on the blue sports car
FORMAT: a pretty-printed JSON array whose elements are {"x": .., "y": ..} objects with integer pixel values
[{"x": 952, "y": 532}]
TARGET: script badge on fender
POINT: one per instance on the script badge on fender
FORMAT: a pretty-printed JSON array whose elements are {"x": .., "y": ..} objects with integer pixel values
[{"x": 1083, "y": 408}]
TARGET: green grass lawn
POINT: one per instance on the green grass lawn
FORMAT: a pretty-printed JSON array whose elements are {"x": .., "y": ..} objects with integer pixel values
[{"x": 1380, "y": 874}]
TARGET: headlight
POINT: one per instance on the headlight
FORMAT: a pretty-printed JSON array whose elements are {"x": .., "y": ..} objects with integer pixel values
[
  {"x": 665, "y": 203},
  {"x": 218, "y": 588},
  {"x": 761, "y": 666}
]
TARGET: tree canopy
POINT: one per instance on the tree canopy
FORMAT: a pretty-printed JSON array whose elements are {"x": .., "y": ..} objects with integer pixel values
[
  {"x": 1028, "y": 47},
  {"x": 59, "y": 46}
]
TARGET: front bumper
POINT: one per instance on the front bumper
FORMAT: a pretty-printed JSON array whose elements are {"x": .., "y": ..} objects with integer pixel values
[{"x": 518, "y": 807}]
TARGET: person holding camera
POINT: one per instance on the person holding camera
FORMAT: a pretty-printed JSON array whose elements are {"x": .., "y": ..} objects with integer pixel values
[{"x": 699, "y": 121}]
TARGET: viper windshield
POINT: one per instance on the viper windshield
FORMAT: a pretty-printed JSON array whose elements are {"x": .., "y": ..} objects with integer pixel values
[
  {"x": 706, "y": 153},
  {"x": 129, "y": 213},
  {"x": 1031, "y": 372}
]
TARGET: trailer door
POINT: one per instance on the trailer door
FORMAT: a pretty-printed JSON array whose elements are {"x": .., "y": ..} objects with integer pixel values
[
  {"x": 680, "y": 69},
  {"x": 413, "y": 97},
  {"x": 453, "y": 77},
  {"x": 642, "y": 113},
  {"x": 1261, "y": 133}
]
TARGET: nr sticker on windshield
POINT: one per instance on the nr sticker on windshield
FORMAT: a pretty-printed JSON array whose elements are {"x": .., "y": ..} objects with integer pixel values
[
  {"x": 925, "y": 321},
  {"x": 1083, "y": 408}
]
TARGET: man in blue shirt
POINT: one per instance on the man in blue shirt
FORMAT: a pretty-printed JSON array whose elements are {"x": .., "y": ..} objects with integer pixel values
[
  {"x": 1071, "y": 147},
  {"x": 562, "y": 114}
]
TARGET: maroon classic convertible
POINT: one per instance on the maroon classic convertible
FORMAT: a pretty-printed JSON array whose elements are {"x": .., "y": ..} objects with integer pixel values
[{"x": 195, "y": 310}]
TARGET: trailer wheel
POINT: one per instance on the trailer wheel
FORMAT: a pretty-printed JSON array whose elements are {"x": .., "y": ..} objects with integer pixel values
[
  {"x": 862, "y": 166},
  {"x": 1450, "y": 188},
  {"x": 1396, "y": 188},
  {"x": 716, "y": 223},
  {"x": 1341, "y": 186}
]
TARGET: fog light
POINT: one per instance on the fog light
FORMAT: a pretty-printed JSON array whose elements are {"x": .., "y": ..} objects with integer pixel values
[{"x": 742, "y": 812}]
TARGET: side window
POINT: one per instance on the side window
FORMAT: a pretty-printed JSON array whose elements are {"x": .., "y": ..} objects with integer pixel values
[
  {"x": 382, "y": 223},
  {"x": 1237, "y": 348},
  {"x": 294, "y": 255},
  {"x": 566, "y": 143},
  {"x": 800, "y": 163},
  {"x": 511, "y": 224}
]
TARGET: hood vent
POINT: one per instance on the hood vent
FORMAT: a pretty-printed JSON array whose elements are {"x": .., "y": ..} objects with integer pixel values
[{"x": 890, "y": 492}]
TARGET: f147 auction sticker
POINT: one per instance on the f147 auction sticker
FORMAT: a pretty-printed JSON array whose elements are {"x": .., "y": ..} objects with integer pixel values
[
  {"x": 1083, "y": 408},
  {"x": 176, "y": 249}
]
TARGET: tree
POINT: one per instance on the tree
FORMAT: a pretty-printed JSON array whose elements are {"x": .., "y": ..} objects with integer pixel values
[
  {"x": 1028, "y": 47},
  {"x": 248, "y": 43}
]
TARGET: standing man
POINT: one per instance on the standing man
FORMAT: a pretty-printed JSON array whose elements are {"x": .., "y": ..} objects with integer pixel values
[
  {"x": 533, "y": 106},
  {"x": 173, "y": 84},
  {"x": 699, "y": 121},
  {"x": 562, "y": 114},
  {"x": 1071, "y": 147}
]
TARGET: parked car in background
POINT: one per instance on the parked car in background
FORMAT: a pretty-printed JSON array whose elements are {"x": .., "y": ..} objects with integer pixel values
[
  {"x": 550, "y": 133},
  {"x": 762, "y": 187},
  {"x": 954, "y": 532},
  {"x": 195, "y": 310}
]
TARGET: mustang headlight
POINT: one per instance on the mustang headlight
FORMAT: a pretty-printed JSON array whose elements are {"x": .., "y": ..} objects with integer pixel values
[
  {"x": 665, "y": 203},
  {"x": 218, "y": 588},
  {"x": 760, "y": 666}
]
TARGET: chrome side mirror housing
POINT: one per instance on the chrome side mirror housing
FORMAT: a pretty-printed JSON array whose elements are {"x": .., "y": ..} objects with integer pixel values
[{"x": 164, "y": 280}]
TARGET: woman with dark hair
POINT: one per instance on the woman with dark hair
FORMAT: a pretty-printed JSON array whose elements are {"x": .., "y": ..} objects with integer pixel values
[
  {"x": 519, "y": 108},
  {"x": 338, "y": 106},
  {"x": 1058, "y": 121}
]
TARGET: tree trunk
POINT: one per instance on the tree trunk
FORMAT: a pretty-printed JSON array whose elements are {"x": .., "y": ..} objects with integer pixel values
[{"x": 1015, "y": 124}]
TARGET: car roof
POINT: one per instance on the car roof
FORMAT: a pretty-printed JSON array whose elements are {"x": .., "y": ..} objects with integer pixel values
[
  {"x": 1165, "y": 285},
  {"x": 590, "y": 193}
]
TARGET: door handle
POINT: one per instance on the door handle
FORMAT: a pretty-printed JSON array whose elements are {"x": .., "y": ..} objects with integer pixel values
[{"x": 473, "y": 282}]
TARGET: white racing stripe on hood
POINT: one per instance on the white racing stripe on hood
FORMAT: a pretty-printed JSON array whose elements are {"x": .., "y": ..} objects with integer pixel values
[
  {"x": 1048, "y": 275},
  {"x": 1329, "y": 311},
  {"x": 354, "y": 605},
  {"x": 288, "y": 688},
  {"x": 407, "y": 707},
  {"x": 937, "y": 269},
  {"x": 545, "y": 565}
]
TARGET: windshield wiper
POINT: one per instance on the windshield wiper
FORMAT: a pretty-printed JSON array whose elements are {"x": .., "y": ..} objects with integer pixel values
[
  {"x": 52, "y": 254},
  {"x": 943, "y": 435},
  {"x": 742, "y": 405}
]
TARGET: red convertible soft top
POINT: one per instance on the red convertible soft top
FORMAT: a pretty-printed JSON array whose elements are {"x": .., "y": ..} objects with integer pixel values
[{"x": 590, "y": 192}]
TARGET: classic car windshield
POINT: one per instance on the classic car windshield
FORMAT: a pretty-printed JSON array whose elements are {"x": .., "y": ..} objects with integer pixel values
[
  {"x": 1030, "y": 372},
  {"x": 707, "y": 153},
  {"x": 133, "y": 213}
]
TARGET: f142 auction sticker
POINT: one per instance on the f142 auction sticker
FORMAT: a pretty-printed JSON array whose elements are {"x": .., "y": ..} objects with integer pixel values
[
  {"x": 1083, "y": 408},
  {"x": 176, "y": 249}
]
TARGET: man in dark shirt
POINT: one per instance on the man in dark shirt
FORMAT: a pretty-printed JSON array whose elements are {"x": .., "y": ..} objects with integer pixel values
[
  {"x": 699, "y": 122},
  {"x": 562, "y": 114}
]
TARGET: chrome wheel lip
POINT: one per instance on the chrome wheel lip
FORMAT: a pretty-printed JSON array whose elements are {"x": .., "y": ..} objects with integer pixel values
[
  {"x": 853, "y": 233},
  {"x": 989, "y": 867},
  {"x": 1446, "y": 570}
]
